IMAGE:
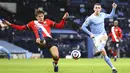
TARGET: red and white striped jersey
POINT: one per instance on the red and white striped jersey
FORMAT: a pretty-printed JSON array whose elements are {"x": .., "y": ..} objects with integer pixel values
[
  {"x": 115, "y": 34},
  {"x": 45, "y": 26}
]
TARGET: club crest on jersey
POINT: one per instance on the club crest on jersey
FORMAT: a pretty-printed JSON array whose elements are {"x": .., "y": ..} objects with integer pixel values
[{"x": 44, "y": 23}]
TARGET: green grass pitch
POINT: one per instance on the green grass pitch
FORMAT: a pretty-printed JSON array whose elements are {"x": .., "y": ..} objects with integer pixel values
[{"x": 65, "y": 66}]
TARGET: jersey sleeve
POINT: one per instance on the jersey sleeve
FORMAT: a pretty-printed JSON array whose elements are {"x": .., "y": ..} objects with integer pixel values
[
  {"x": 85, "y": 25},
  {"x": 111, "y": 14},
  {"x": 23, "y": 27},
  {"x": 18, "y": 27},
  {"x": 60, "y": 24}
]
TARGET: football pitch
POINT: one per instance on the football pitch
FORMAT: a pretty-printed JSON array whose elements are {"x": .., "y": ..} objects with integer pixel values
[{"x": 65, "y": 66}]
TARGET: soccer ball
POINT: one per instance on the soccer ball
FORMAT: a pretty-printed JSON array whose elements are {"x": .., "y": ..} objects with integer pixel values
[{"x": 75, "y": 54}]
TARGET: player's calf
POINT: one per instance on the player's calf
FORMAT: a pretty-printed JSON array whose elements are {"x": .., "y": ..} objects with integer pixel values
[
  {"x": 55, "y": 63},
  {"x": 115, "y": 55},
  {"x": 55, "y": 56}
]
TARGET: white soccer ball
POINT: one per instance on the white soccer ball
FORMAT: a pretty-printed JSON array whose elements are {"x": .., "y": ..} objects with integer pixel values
[{"x": 75, "y": 54}]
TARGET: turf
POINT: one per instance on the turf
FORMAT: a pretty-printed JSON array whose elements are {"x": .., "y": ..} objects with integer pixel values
[{"x": 65, "y": 66}]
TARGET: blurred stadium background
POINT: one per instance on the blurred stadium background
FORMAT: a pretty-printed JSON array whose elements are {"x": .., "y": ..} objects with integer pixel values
[{"x": 69, "y": 38}]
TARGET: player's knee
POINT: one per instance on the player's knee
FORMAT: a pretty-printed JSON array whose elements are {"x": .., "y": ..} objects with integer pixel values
[
  {"x": 56, "y": 58},
  {"x": 104, "y": 52}
]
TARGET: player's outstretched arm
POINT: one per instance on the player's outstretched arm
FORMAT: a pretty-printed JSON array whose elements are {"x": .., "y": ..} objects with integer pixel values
[
  {"x": 114, "y": 5},
  {"x": 62, "y": 22},
  {"x": 18, "y": 27}
]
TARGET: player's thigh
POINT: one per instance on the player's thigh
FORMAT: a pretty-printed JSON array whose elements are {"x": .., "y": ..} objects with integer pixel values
[
  {"x": 104, "y": 37},
  {"x": 54, "y": 51},
  {"x": 101, "y": 38},
  {"x": 116, "y": 45},
  {"x": 2, "y": 48},
  {"x": 52, "y": 46},
  {"x": 111, "y": 45},
  {"x": 97, "y": 40}
]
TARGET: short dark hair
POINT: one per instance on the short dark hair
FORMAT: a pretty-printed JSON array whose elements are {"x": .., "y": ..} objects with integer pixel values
[
  {"x": 98, "y": 4},
  {"x": 38, "y": 12}
]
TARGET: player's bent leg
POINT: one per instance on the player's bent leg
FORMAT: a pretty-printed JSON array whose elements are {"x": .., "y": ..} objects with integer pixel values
[
  {"x": 115, "y": 54},
  {"x": 102, "y": 40},
  {"x": 110, "y": 48},
  {"x": 55, "y": 54},
  {"x": 5, "y": 51},
  {"x": 100, "y": 47},
  {"x": 115, "y": 51},
  {"x": 111, "y": 51},
  {"x": 107, "y": 59}
]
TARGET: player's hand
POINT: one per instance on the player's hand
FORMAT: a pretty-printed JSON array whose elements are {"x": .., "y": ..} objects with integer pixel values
[
  {"x": 117, "y": 40},
  {"x": 3, "y": 25},
  {"x": 38, "y": 41},
  {"x": 6, "y": 22},
  {"x": 65, "y": 15},
  {"x": 92, "y": 35},
  {"x": 114, "y": 5}
]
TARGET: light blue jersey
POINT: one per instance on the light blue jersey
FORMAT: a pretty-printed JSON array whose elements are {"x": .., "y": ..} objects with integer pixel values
[
  {"x": 96, "y": 23},
  {"x": 97, "y": 28}
]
